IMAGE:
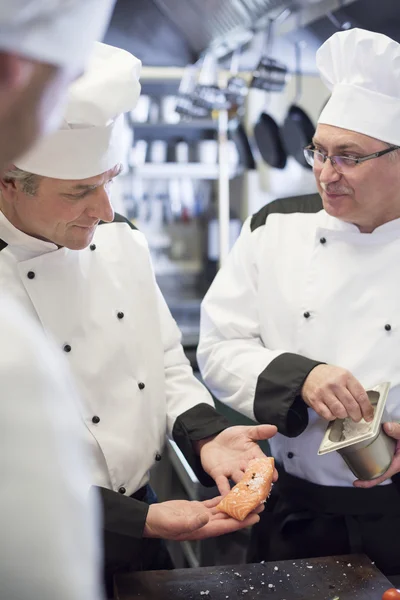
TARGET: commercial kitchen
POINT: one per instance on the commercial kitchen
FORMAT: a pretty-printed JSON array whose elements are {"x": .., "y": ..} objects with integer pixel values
[{"x": 221, "y": 294}]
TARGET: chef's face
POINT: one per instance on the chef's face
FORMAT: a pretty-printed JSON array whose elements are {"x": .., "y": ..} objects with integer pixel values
[
  {"x": 31, "y": 99},
  {"x": 369, "y": 194},
  {"x": 65, "y": 212}
]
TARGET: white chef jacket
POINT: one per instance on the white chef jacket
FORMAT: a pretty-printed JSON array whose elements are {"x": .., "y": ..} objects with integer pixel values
[
  {"x": 300, "y": 283},
  {"x": 103, "y": 307},
  {"x": 48, "y": 527}
]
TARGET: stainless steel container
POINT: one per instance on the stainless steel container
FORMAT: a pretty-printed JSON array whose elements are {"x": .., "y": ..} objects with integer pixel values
[{"x": 369, "y": 454}]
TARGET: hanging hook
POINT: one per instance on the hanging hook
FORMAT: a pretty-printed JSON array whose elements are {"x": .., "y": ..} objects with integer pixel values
[
  {"x": 335, "y": 21},
  {"x": 297, "y": 49}
]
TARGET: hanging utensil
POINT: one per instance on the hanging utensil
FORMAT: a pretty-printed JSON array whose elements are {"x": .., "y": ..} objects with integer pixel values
[
  {"x": 236, "y": 93},
  {"x": 207, "y": 94},
  {"x": 184, "y": 101},
  {"x": 237, "y": 88},
  {"x": 297, "y": 129},
  {"x": 269, "y": 76}
]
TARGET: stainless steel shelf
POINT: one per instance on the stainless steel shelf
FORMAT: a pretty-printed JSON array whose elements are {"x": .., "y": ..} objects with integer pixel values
[
  {"x": 176, "y": 170},
  {"x": 198, "y": 124}
]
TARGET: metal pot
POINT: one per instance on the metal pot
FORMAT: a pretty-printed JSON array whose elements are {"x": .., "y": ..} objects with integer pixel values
[{"x": 368, "y": 454}]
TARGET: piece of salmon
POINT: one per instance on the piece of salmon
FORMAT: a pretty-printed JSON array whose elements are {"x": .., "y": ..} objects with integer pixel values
[{"x": 251, "y": 491}]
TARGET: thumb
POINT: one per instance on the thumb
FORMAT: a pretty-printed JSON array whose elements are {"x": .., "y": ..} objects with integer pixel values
[
  {"x": 197, "y": 519},
  {"x": 392, "y": 429},
  {"x": 261, "y": 432}
]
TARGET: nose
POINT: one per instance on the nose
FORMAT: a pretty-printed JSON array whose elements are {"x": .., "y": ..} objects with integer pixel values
[
  {"x": 328, "y": 174},
  {"x": 100, "y": 207}
]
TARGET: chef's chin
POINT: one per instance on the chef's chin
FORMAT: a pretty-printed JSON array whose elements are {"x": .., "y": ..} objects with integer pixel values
[{"x": 79, "y": 237}]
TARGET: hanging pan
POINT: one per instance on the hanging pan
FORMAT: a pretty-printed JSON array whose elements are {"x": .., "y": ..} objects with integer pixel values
[
  {"x": 269, "y": 76},
  {"x": 297, "y": 129}
]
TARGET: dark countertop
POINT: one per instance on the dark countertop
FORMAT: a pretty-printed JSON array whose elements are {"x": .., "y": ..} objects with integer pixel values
[{"x": 330, "y": 578}]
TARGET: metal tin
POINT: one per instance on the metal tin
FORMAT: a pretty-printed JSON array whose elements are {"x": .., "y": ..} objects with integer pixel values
[{"x": 368, "y": 455}]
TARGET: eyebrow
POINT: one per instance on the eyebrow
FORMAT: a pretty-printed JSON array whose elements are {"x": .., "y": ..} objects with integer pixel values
[
  {"x": 81, "y": 187},
  {"x": 345, "y": 146}
]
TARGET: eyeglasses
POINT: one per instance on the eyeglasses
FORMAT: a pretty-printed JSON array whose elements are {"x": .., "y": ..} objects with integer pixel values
[{"x": 342, "y": 164}]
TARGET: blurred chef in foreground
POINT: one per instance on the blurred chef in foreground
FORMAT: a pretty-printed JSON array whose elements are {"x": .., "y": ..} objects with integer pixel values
[
  {"x": 84, "y": 274},
  {"x": 48, "y": 529},
  {"x": 304, "y": 317}
]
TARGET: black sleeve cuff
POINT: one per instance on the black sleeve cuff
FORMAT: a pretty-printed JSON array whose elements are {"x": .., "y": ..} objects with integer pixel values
[
  {"x": 197, "y": 423},
  {"x": 123, "y": 515},
  {"x": 277, "y": 399}
]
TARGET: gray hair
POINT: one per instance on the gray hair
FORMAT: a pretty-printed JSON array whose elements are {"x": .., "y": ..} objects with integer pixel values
[{"x": 29, "y": 182}]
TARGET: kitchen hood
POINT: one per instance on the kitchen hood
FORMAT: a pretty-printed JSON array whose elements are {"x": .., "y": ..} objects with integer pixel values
[{"x": 178, "y": 32}]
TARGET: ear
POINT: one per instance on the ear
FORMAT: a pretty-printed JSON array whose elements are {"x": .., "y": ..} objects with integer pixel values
[{"x": 8, "y": 189}]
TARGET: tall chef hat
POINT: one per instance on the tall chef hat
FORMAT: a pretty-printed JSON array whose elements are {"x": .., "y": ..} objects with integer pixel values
[
  {"x": 362, "y": 69},
  {"x": 88, "y": 142},
  {"x": 58, "y": 32}
]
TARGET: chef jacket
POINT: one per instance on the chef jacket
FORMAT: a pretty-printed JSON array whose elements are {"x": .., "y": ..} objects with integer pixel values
[
  {"x": 48, "y": 526},
  {"x": 103, "y": 308},
  {"x": 302, "y": 288}
]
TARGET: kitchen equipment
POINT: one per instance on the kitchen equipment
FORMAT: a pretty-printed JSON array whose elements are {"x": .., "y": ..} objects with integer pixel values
[
  {"x": 297, "y": 129},
  {"x": 369, "y": 452},
  {"x": 140, "y": 113},
  {"x": 184, "y": 100},
  {"x": 269, "y": 76},
  {"x": 351, "y": 577},
  {"x": 236, "y": 88},
  {"x": 207, "y": 94},
  {"x": 236, "y": 94},
  {"x": 208, "y": 152},
  {"x": 244, "y": 149},
  {"x": 269, "y": 142},
  {"x": 168, "y": 112}
]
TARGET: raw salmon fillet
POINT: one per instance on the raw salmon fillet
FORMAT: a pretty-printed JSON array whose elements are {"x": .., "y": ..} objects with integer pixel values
[{"x": 251, "y": 491}]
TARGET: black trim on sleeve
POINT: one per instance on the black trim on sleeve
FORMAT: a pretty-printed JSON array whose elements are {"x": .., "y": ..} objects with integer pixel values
[
  {"x": 124, "y": 519},
  {"x": 197, "y": 423},
  {"x": 277, "y": 399},
  {"x": 311, "y": 203},
  {"x": 3, "y": 245},
  {"x": 119, "y": 219},
  {"x": 123, "y": 515}
]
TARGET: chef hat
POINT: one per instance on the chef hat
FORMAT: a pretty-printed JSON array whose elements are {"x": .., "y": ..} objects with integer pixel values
[
  {"x": 88, "y": 142},
  {"x": 58, "y": 32},
  {"x": 362, "y": 69}
]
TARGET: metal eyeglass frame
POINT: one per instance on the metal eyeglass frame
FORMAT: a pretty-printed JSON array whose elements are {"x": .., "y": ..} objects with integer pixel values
[{"x": 356, "y": 161}]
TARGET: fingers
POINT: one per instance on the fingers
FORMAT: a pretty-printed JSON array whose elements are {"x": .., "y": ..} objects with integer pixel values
[
  {"x": 361, "y": 397},
  {"x": 335, "y": 406},
  {"x": 212, "y": 502},
  {"x": 349, "y": 405},
  {"x": 261, "y": 432},
  {"x": 222, "y": 483},
  {"x": 237, "y": 475},
  {"x": 392, "y": 429},
  {"x": 259, "y": 509},
  {"x": 323, "y": 411},
  {"x": 393, "y": 469},
  {"x": 222, "y": 525}
]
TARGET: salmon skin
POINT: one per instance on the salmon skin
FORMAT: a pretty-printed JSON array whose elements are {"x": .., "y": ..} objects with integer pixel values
[{"x": 251, "y": 491}]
